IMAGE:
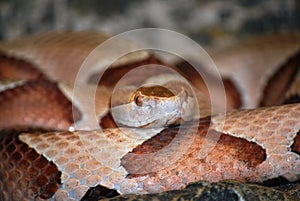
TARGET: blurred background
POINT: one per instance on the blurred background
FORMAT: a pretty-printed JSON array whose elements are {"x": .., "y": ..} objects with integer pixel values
[{"x": 209, "y": 22}]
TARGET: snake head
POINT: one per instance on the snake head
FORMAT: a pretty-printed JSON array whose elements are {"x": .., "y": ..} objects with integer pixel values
[{"x": 153, "y": 106}]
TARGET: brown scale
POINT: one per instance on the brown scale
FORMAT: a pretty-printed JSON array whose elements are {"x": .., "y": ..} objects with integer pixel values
[
  {"x": 282, "y": 89},
  {"x": 24, "y": 174},
  {"x": 296, "y": 144},
  {"x": 233, "y": 96},
  {"x": 18, "y": 69},
  {"x": 37, "y": 103},
  {"x": 156, "y": 90},
  {"x": 112, "y": 75},
  {"x": 53, "y": 50},
  {"x": 107, "y": 121},
  {"x": 233, "y": 147},
  {"x": 279, "y": 85},
  {"x": 293, "y": 93}
]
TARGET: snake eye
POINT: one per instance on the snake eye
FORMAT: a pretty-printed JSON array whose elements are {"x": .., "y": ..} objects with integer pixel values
[{"x": 138, "y": 100}]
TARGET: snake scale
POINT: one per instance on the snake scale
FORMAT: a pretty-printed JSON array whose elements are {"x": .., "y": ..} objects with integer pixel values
[{"x": 43, "y": 158}]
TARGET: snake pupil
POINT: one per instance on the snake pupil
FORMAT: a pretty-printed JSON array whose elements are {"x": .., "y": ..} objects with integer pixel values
[{"x": 138, "y": 100}]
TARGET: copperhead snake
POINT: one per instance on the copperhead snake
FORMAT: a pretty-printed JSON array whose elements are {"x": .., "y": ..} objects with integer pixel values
[{"x": 253, "y": 145}]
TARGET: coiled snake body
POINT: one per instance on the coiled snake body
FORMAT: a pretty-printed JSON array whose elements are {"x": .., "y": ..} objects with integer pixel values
[{"x": 254, "y": 145}]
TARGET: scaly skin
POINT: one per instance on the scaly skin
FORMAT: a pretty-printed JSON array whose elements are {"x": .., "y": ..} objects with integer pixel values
[
  {"x": 80, "y": 164},
  {"x": 73, "y": 153}
]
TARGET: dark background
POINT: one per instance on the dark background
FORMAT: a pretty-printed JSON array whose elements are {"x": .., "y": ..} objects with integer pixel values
[{"x": 209, "y": 22}]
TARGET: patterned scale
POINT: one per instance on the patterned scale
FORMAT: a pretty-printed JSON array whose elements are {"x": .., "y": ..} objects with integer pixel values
[
  {"x": 49, "y": 108},
  {"x": 85, "y": 165},
  {"x": 25, "y": 174}
]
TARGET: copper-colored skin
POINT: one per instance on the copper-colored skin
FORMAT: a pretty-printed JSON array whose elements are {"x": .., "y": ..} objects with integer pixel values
[
  {"x": 25, "y": 173},
  {"x": 57, "y": 164},
  {"x": 36, "y": 104}
]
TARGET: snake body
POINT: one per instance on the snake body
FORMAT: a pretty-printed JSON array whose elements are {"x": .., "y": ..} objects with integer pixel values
[{"x": 254, "y": 145}]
